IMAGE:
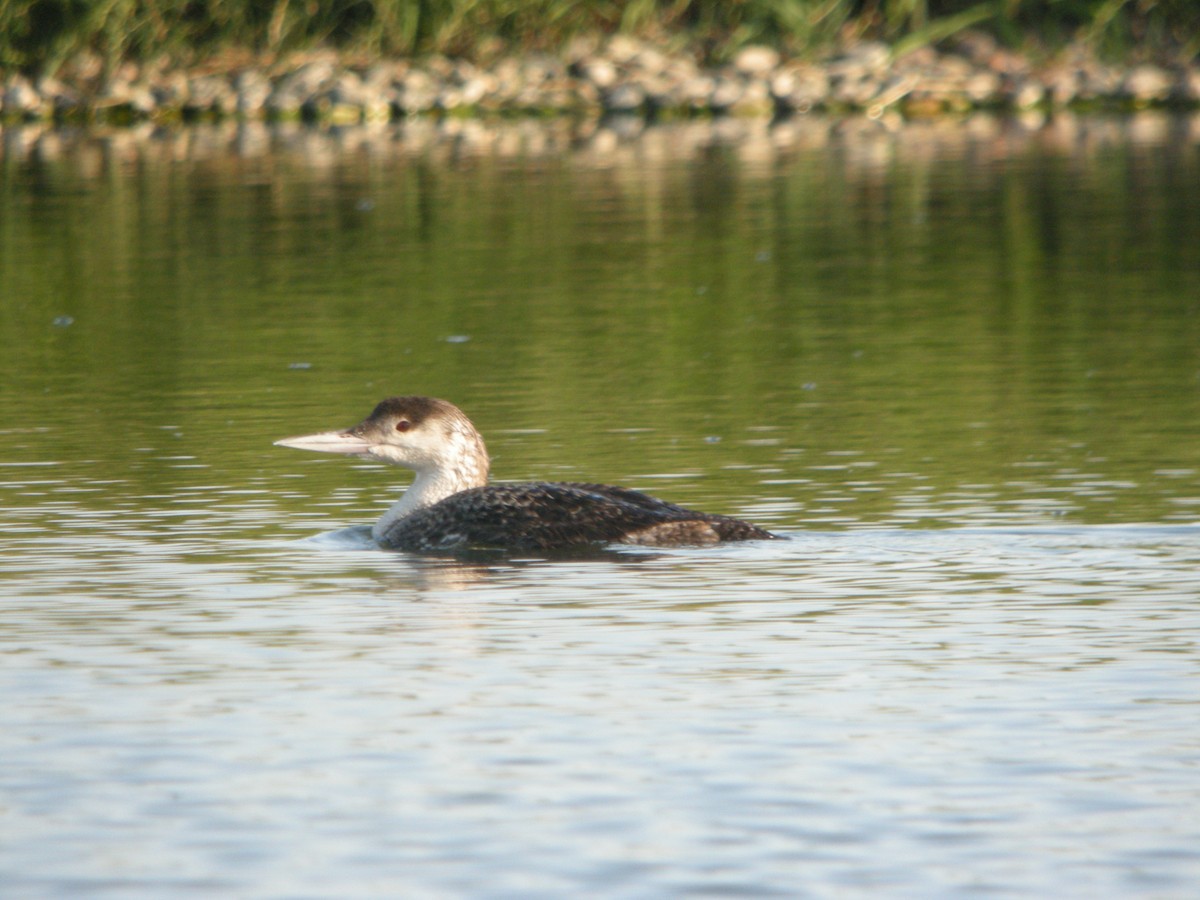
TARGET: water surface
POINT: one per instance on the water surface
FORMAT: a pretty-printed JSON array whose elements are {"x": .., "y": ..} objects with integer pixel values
[{"x": 957, "y": 364}]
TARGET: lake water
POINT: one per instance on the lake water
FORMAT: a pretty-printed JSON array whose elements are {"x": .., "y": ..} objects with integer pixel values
[{"x": 956, "y": 363}]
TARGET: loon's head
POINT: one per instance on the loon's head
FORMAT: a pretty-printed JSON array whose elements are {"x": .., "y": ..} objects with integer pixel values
[{"x": 420, "y": 433}]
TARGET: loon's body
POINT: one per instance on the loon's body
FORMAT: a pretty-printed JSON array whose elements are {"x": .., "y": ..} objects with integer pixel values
[{"x": 450, "y": 505}]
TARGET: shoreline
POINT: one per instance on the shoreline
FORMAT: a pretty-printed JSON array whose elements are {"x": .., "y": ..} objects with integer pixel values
[{"x": 593, "y": 79}]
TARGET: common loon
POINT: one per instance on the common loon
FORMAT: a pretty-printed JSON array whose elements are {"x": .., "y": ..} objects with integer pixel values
[{"x": 450, "y": 505}]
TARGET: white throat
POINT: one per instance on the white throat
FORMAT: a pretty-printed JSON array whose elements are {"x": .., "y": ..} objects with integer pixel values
[{"x": 427, "y": 489}]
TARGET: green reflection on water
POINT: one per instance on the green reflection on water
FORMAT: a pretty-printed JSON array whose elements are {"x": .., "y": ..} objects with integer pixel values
[{"x": 824, "y": 324}]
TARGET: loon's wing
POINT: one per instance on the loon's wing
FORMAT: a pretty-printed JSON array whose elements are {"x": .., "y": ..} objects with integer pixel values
[
  {"x": 545, "y": 516},
  {"x": 678, "y": 524}
]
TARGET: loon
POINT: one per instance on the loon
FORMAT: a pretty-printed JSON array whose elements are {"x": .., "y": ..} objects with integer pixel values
[{"x": 450, "y": 506}]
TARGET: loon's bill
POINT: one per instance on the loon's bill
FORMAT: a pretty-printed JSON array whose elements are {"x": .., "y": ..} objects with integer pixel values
[{"x": 329, "y": 442}]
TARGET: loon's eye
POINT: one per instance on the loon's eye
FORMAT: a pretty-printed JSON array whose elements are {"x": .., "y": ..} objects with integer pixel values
[{"x": 403, "y": 425}]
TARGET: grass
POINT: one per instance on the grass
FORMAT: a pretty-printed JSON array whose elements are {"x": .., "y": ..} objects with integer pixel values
[{"x": 38, "y": 36}]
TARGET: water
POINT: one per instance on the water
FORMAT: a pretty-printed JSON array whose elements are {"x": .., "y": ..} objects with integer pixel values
[{"x": 956, "y": 364}]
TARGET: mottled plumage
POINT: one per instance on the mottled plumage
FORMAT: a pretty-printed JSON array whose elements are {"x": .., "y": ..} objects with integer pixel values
[
  {"x": 450, "y": 506},
  {"x": 548, "y": 515}
]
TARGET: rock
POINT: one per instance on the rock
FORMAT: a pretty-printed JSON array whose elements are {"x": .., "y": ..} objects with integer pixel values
[
  {"x": 66, "y": 101},
  {"x": 379, "y": 76},
  {"x": 861, "y": 60},
  {"x": 251, "y": 89},
  {"x": 507, "y": 75},
  {"x": 581, "y": 48},
  {"x": 294, "y": 91},
  {"x": 1027, "y": 93},
  {"x": 951, "y": 68},
  {"x": 282, "y": 103},
  {"x": 697, "y": 91},
  {"x": 1007, "y": 62},
  {"x": 982, "y": 87},
  {"x": 854, "y": 92},
  {"x": 449, "y": 98},
  {"x": 1062, "y": 85},
  {"x": 139, "y": 99},
  {"x": 622, "y": 49},
  {"x": 540, "y": 69},
  {"x": 756, "y": 60},
  {"x": 648, "y": 60},
  {"x": 417, "y": 93},
  {"x": 342, "y": 101},
  {"x": 626, "y": 97},
  {"x": 1097, "y": 82},
  {"x": 663, "y": 92},
  {"x": 476, "y": 88},
  {"x": 1148, "y": 84},
  {"x": 170, "y": 90},
  {"x": 21, "y": 100},
  {"x": 113, "y": 94},
  {"x": 800, "y": 90},
  {"x": 346, "y": 89},
  {"x": 1188, "y": 90},
  {"x": 727, "y": 92},
  {"x": 585, "y": 97},
  {"x": 600, "y": 72},
  {"x": 440, "y": 67},
  {"x": 211, "y": 94}
]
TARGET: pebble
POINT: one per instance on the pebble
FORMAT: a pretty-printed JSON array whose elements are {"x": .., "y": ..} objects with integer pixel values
[
  {"x": 620, "y": 76},
  {"x": 21, "y": 100},
  {"x": 1148, "y": 84},
  {"x": 211, "y": 94},
  {"x": 252, "y": 88},
  {"x": 756, "y": 61}
]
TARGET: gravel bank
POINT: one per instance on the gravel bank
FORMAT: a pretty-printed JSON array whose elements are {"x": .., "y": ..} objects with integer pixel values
[{"x": 594, "y": 78}]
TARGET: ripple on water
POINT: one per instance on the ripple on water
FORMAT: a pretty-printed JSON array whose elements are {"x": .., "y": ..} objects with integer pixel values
[
  {"x": 892, "y": 709},
  {"x": 900, "y": 710}
]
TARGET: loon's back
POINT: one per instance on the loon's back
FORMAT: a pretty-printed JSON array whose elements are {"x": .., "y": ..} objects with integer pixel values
[{"x": 553, "y": 515}]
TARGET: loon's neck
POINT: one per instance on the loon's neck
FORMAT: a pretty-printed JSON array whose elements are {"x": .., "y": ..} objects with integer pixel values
[{"x": 429, "y": 487}]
